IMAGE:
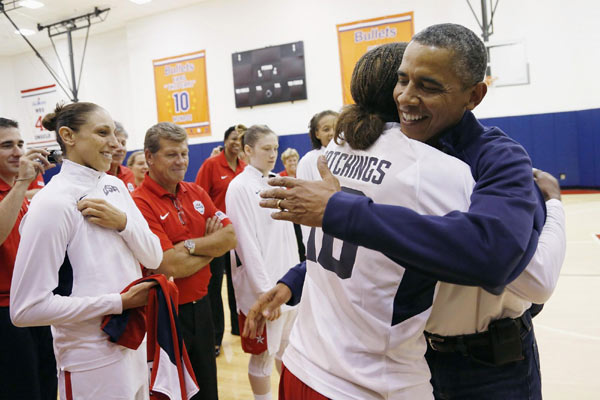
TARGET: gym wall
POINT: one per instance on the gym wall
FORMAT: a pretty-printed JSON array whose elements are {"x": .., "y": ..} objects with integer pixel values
[{"x": 118, "y": 70}]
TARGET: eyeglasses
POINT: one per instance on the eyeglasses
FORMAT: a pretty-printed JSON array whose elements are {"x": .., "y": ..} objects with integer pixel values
[{"x": 179, "y": 209}]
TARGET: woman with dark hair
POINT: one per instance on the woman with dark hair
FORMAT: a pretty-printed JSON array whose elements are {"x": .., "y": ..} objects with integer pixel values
[
  {"x": 320, "y": 130},
  {"x": 265, "y": 249},
  {"x": 82, "y": 242},
  {"x": 214, "y": 177}
]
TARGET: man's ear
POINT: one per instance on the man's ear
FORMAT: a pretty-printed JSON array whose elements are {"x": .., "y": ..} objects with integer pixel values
[
  {"x": 149, "y": 159},
  {"x": 478, "y": 92},
  {"x": 67, "y": 135}
]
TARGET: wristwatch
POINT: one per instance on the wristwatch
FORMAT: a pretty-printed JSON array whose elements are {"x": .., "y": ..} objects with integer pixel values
[{"x": 190, "y": 245}]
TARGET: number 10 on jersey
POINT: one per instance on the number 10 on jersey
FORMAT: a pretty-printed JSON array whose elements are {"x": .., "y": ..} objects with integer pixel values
[{"x": 342, "y": 266}]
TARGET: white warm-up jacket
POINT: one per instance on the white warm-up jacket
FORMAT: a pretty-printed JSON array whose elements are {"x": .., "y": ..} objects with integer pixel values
[
  {"x": 266, "y": 248},
  {"x": 104, "y": 261}
]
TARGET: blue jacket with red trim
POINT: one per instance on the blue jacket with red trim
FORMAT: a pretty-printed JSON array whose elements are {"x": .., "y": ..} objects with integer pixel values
[{"x": 171, "y": 374}]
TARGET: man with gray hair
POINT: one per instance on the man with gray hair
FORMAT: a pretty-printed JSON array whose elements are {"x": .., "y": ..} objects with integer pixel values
[
  {"x": 192, "y": 231},
  {"x": 478, "y": 349}
]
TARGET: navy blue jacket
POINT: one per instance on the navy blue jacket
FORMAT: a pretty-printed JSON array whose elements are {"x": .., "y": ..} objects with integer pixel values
[{"x": 488, "y": 246}]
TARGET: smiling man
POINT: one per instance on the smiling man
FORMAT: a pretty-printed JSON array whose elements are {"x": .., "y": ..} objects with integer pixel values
[
  {"x": 27, "y": 365},
  {"x": 431, "y": 97},
  {"x": 192, "y": 231},
  {"x": 440, "y": 81}
]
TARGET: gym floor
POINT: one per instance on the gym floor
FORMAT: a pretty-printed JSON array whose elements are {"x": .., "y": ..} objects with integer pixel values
[{"x": 567, "y": 330}]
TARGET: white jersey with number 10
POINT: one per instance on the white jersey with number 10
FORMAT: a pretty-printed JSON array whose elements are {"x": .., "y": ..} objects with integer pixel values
[{"x": 359, "y": 330}]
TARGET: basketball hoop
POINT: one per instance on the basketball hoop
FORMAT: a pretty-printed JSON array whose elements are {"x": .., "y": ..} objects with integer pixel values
[{"x": 489, "y": 80}]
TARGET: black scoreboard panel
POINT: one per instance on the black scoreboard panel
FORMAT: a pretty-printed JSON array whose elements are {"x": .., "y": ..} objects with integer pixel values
[{"x": 270, "y": 75}]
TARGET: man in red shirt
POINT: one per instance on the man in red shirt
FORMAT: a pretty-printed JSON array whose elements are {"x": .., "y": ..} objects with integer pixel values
[
  {"x": 214, "y": 176},
  {"x": 116, "y": 168},
  {"x": 192, "y": 231},
  {"x": 27, "y": 364},
  {"x": 35, "y": 186}
]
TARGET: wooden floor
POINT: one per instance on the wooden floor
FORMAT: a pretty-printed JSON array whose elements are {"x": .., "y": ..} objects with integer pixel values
[{"x": 568, "y": 329}]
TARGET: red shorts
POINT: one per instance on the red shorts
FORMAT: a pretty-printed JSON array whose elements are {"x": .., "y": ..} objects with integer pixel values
[
  {"x": 258, "y": 345},
  {"x": 292, "y": 388}
]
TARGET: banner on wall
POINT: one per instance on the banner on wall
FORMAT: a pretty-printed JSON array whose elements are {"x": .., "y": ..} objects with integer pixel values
[
  {"x": 38, "y": 102},
  {"x": 181, "y": 92},
  {"x": 356, "y": 38}
]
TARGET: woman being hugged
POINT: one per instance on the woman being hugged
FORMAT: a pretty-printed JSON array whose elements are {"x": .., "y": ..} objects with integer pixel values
[
  {"x": 266, "y": 249},
  {"x": 369, "y": 311},
  {"x": 82, "y": 242}
]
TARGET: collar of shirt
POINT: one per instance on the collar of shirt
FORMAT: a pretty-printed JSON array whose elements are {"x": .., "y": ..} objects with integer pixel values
[
  {"x": 4, "y": 187},
  {"x": 223, "y": 161},
  {"x": 80, "y": 174},
  {"x": 118, "y": 171},
  {"x": 153, "y": 186},
  {"x": 394, "y": 128},
  {"x": 122, "y": 172},
  {"x": 455, "y": 139},
  {"x": 255, "y": 172}
]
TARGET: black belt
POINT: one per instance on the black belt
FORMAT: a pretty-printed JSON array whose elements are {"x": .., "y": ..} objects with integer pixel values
[{"x": 500, "y": 344}]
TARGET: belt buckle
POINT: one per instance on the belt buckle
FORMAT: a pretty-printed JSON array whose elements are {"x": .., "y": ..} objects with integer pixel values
[{"x": 434, "y": 341}]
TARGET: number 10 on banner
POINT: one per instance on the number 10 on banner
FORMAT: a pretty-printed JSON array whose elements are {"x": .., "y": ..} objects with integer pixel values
[
  {"x": 181, "y": 100},
  {"x": 181, "y": 92}
]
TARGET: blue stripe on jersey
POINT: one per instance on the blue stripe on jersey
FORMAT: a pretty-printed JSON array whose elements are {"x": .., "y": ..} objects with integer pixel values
[{"x": 414, "y": 295}]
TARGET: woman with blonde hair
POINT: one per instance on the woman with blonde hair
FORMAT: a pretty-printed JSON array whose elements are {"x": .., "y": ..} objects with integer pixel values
[
  {"x": 137, "y": 164},
  {"x": 289, "y": 158}
]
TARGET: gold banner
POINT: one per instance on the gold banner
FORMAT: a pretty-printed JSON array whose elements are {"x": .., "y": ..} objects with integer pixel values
[
  {"x": 181, "y": 92},
  {"x": 356, "y": 38}
]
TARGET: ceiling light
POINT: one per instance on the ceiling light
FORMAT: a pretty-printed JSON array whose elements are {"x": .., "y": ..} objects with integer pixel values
[
  {"x": 140, "y": 1},
  {"x": 31, "y": 4},
  {"x": 25, "y": 32}
]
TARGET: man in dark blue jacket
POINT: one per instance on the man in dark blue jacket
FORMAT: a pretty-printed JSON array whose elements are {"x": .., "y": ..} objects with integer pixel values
[{"x": 440, "y": 81}]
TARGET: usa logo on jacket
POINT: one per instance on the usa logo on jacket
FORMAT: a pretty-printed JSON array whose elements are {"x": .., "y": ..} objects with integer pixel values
[{"x": 199, "y": 206}]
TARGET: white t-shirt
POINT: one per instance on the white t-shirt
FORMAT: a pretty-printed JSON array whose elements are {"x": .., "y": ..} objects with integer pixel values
[
  {"x": 352, "y": 339},
  {"x": 104, "y": 261}
]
